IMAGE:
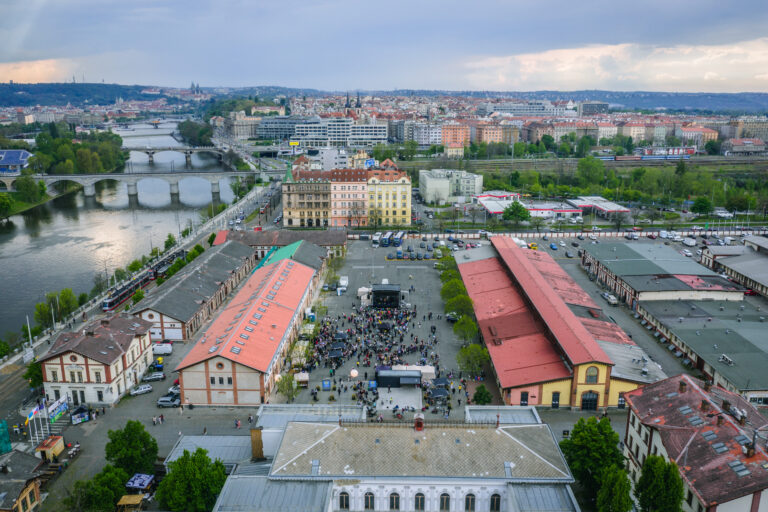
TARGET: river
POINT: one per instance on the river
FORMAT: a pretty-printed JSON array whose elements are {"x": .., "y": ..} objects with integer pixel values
[{"x": 65, "y": 242}]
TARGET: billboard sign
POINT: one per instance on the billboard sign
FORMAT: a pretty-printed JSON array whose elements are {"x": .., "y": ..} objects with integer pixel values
[{"x": 370, "y": 163}]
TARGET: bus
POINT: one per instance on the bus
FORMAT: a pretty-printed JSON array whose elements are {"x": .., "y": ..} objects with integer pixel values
[
  {"x": 377, "y": 239},
  {"x": 398, "y": 238},
  {"x": 386, "y": 239}
]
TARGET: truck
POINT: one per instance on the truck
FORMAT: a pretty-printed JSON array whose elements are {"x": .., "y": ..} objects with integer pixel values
[
  {"x": 690, "y": 242},
  {"x": 728, "y": 240}
]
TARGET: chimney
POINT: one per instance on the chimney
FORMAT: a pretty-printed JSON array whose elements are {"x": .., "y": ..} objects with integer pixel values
[
  {"x": 257, "y": 445},
  {"x": 726, "y": 405},
  {"x": 720, "y": 420},
  {"x": 418, "y": 422},
  {"x": 707, "y": 385},
  {"x": 704, "y": 405},
  {"x": 683, "y": 386}
]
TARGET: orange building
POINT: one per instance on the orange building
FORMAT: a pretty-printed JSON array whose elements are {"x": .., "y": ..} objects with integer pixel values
[
  {"x": 489, "y": 133},
  {"x": 456, "y": 134}
]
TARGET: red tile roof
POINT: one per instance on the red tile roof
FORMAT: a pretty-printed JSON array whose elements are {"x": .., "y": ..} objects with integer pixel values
[
  {"x": 349, "y": 175},
  {"x": 574, "y": 339},
  {"x": 256, "y": 320},
  {"x": 712, "y": 475},
  {"x": 221, "y": 237}
]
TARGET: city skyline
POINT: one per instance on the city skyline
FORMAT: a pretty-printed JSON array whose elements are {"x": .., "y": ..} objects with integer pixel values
[{"x": 339, "y": 45}]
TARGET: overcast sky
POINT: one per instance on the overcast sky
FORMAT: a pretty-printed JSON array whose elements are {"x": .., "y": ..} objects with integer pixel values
[{"x": 669, "y": 45}]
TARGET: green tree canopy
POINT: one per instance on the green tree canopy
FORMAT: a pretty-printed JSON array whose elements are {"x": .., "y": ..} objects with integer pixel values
[
  {"x": 67, "y": 302},
  {"x": 132, "y": 448},
  {"x": 592, "y": 448},
  {"x": 472, "y": 358},
  {"x": 451, "y": 289},
  {"x": 660, "y": 488},
  {"x": 449, "y": 275},
  {"x": 137, "y": 296},
  {"x": 590, "y": 171},
  {"x": 614, "y": 494},
  {"x": 288, "y": 387},
  {"x": 702, "y": 205},
  {"x": 482, "y": 396},
  {"x": 100, "y": 494},
  {"x": 170, "y": 241},
  {"x": 461, "y": 305},
  {"x": 465, "y": 328},
  {"x": 6, "y": 203},
  {"x": 192, "y": 484},
  {"x": 34, "y": 374},
  {"x": 516, "y": 213},
  {"x": 134, "y": 266}
]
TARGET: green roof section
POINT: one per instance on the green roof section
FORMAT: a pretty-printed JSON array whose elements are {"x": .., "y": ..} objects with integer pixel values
[
  {"x": 283, "y": 253},
  {"x": 288, "y": 175}
]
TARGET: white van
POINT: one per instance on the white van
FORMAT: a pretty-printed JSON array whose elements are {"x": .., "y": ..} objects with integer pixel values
[
  {"x": 663, "y": 234},
  {"x": 162, "y": 349}
]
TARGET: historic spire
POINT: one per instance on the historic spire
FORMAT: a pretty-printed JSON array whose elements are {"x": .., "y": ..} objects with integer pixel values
[
  {"x": 358, "y": 101},
  {"x": 347, "y": 105}
]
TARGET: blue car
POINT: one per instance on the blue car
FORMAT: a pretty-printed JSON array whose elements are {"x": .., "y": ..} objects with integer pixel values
[{"x": 553, "y": 246}]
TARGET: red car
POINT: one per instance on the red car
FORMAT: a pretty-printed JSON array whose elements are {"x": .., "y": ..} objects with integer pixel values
[
  {"x": 750, "y": 292},
  {"x": 652, "y": 236}
]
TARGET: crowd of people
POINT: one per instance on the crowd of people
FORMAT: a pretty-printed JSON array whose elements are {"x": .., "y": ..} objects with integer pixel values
[{"x": 372, "y": 338}]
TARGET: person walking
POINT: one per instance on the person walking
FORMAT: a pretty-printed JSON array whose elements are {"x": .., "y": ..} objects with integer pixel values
[
  {"x": 154, "y": 420},
  {"x": 238, "y": 423},
  {"x": 205, "y": 430},
  {"x": 162, "y": 419}
]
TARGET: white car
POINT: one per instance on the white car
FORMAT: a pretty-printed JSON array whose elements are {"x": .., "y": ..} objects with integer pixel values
[
  {"x": 592, "y": 237},
  {"x": 686, "y": 252},
  {"x": 141, "y": 389},
  {"x": 562, "y": 243},
  {"x": 175, "y": 389},
  {"x": 162, "y": 349}
]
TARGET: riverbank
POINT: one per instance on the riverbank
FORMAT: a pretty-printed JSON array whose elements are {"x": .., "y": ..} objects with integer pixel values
[{"x": 18, "y": 206}]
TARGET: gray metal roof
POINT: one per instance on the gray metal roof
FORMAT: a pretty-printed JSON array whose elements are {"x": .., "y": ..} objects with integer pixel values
[
  {"x": 277, "y": 416},
  {"x": 752, "y": 265},
  {"x": 507, "y": 415},
  {"x": 243, "y": 493},
  {"x": 727, "y": 250},
  {"x": 183, "y": 294},
  {"x": 227, "y": 449},
  {"x": 711, "y": 333},
  {"x": 645, "y": 259},
  {"x": 310, "y": 254},
  {"x": 522, "y": 453},
  {"x": 629, "y": 361},
  {"x": 760, "y": 241},
  {"x": 544, "y": 498},
  {"x": 22, "y": 468}
]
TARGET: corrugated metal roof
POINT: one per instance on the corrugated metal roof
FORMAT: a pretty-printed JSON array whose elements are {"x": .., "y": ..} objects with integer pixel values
[
  {"x": 540, "y": 498},
  {"x": 227, "y": 449},
  {"x": 260, "y": 494},
  {"x": 645, "y": 259}
]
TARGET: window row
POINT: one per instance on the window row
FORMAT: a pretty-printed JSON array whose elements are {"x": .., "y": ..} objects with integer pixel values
[
  {"x": 221, "y": 380},
  {"x": 369, "y": 502}
]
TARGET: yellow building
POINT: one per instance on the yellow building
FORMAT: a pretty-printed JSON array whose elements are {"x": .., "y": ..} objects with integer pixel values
[
  {"x": 550, "y": 345},
  {"x": 389, "y": 197}
]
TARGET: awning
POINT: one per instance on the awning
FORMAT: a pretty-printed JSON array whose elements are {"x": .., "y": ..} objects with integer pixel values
[
  {"x": 644, "y": 322},
  {"x": 671, "y": 347},
  {"x": 678, "y": 354},
  {"x": 438, "y": 392},
  {"x": 338, "y": 346},
  {"x": 140, "y": 481},
  {"x": 441, "y": 382},
  {"x": 335, "y": 353},
  {"x": 410, "y": 380},
  {"x": 656, "y": 334}
]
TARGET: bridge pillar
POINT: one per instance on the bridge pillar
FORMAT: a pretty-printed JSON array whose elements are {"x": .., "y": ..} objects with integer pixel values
[
  {"x": 133, "y": 189},
  {"x": 151, "y": 155},
  {"x": 175, "y": 188},
  {"x": 188, "y": 158},
  {"x": 89, "y": 190},
  {"x": 215, "y": 187}
]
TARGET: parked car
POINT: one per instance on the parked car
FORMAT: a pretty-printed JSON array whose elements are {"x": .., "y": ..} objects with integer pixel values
[
  {"x": 170, "y": 342},
  {"x": 575, "y": 244},
  {"x": 175, "y": 389},
  {"x": 423, "y": 244},
  {"x": 580, "y": 237},
  {"x": 562, "y": 243},
  {"x": 451, "y": 317},
  {"x": 553, "y": 246},
  {"x": 652, "y": 236},
  {"x": 686, "y": 252},
  {"x": 151, "y": 377},
  {"x": 568, "y": 254},
  {"x": 169, "y": 400},
  {"x": 141, "y": 389},
  {"x": 750, "y": 291}
]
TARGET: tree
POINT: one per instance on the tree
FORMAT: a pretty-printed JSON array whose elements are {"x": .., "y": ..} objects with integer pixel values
[
  {"x": 82, "y": 299},
  {"x": 654, "y": 215},
  {"x": 138, "y": 295},
  {"x": 132, "y": 448},
  {"x": 193, "y": 483},
  {"x": 482, "y": 396},
  {"x": 590, "y": 171},
  {"x": 461, "y": 305},
  {"x": 472, "y": 358},
  {"x": 6, "y": 203},
  {"x": 34, "y": 374},
  {"x": 134, "y": 266},
  {"x": 100, "y": 494},
  {"x": 680, "y": 168},
  {"x": 449, "y": 275},
  {"x": 27, "y": 190},
  {"x": 211, "y": 238},
  {"x": 614, "y": 494},
  {"x": 702, "y": 205},
  {"x": 660, "y": 488},
  {"x": 537, "y": 223},
  {"x": 43, "y": 314},
  {"x": 673, "y": 141},
  {"x": 618, "y": 220},
  {"x": 67, "y": 302},
  {"x": 170, "y": 241},
  {"x": 288, "y": 387},
  {"x": 516, "y": 213},
  {"x": 592, "y": 448},
  {"x": 465, "y": 328},
  {"x": 548, "y": 141},
  {"x": 451, "y": 289}
]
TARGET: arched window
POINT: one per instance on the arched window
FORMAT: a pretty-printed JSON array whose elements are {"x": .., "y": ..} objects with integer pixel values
[
  {"x": 445, "y": 503},
  {"x": 394, "y": 501},
  {"x": 495, "y": 503},
  {"x": 592, "y": 375},
  {"x": 344, "y": 501},
  {"x": 469, "y": 503},
  {"x": 418, "y": 503},
  {"x": 370, "y": 501}
]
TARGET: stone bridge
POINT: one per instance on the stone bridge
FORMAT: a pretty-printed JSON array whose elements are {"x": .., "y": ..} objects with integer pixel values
[
  {"x": 88, "y": 181},
  {"x": 150, "y": 151}
]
